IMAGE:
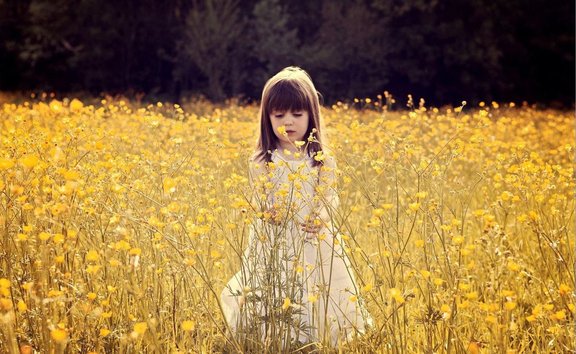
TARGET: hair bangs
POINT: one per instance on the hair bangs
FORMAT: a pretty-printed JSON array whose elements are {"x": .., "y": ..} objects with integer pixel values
[{"x": 287, "y": 96}]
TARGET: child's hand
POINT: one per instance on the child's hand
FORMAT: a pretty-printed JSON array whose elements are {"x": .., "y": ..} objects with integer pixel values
[
  {"x": 272, "y": 216},
  {"x": 311, "y": 226}
]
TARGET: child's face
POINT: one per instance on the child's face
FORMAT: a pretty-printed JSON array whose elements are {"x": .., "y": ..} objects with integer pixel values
[{"x": 295, "y": 124}]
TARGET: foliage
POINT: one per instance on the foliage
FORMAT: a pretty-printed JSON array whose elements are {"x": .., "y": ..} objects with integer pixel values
[
  {"x": 211, "y": 34},
  {"x": 445, "y": 51}
]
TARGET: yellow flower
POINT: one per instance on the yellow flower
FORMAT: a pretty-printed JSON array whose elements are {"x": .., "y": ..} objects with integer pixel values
[
  {"x": 122, "y": 245},
  {"x": 4, "y": 283},
  {"x": 491, "y": 319},
  {"x": 104, "y": 332},
  {"x": 5, "y": 304},
  {"x": 509, "y": 305},
  {"x": 312, "y": 298},
  {"x": 188, "y": 325},
  {"x": 22, "y": 307},
  {"x": 559, "y": 315},
  {"x": 58, "y": 238},
  {"x": 319, "y": 156},
  {"x": 564, "y": 289},
  {"x": 537, "y": 310},
  {"x": 55, "y": 293},
  {"x": 367, "y": 288},
  {"x": 76, "y": 105},
  {"x": 457, "y": 240},
  {"x": 92, "y": 256},
  {"x": 169, "y": 185},
  {"x": 135, "y": 251},
  {"x": 140, "y": 327},
  {"x": 59, "y": 335},
  {"x": 281, "y": 130},
  {"x": 507, "y": 293},
  {"x": 43, "y": 236},
  {"x": 286, "y": 304},
  {"x": 505, "y": 196},
  {"x": 473, "y": 348},
  {"x": 6, "y": 164},
  {"x": 29, "y": 161},
  {"x": 513, "y": 266},
  {"x": 55, "y": 105},
  {"x": 478, "y": 212},
  {"x": 414, "y": 206},
  {"x": 464, "y": 286},
  {"x": 396, "y": 295},
  {"x": 93, "y": 269},
  {"x": 462, "y": 305},
  {"x": 446, "y": 227}
]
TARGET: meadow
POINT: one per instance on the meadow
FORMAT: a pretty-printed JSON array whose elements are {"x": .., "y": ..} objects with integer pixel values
[{"x": 120, "y": 225}]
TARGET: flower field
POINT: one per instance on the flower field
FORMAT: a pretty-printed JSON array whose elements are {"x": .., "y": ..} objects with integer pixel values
[{"x": 120, "y": 225}]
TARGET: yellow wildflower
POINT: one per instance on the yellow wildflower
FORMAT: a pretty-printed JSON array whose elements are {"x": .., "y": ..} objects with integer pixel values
[
  {"x": 59, "y": 335},
  {"x": 286, "y": 303},
  {"x": 188, "y": 325},
  {"x": 140, "y": 327}
]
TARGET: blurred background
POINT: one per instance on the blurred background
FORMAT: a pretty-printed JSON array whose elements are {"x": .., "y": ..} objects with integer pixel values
[{"x": 444, "y": 51}]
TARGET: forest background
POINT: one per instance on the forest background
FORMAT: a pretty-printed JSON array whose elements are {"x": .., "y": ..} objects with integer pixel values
[{"x": 445, "y": 51}]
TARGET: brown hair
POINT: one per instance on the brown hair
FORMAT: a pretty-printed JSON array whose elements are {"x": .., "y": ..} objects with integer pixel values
[{"x": 290, "y": 89}]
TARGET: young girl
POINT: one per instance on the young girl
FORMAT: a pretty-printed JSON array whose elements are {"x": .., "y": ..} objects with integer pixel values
[{"x": 295, "y": 283}]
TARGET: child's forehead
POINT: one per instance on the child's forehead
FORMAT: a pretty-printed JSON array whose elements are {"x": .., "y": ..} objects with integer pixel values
[{"x": 287, "y": 96}]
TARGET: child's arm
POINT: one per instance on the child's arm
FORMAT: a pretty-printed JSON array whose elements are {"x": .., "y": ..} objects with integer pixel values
[
  {"x": 260, "y": 200},
  {"x": 257, "y": 179},
  {"x": 326, "y": 198}
]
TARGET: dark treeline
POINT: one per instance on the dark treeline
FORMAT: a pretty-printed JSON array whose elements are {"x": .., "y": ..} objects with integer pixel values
[{"x": 443, "y": 50}]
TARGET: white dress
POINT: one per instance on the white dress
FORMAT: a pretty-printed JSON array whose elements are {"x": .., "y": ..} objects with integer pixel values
[{"x": 294, "y": 285}]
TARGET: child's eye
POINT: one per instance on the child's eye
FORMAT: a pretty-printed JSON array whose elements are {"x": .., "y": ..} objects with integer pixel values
[
  {"x": 278, "y": 115},
  {"x": 297, "y": 114}
]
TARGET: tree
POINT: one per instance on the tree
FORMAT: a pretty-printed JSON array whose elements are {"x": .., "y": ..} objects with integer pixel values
[
  {"x": 211, "y": 37},
  {"x": 349, "y": 50},
  {"x": 273, "y": 42}
]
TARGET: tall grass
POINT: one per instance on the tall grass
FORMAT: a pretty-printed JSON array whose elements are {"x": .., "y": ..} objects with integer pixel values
[{"x": 121, "y": 225}]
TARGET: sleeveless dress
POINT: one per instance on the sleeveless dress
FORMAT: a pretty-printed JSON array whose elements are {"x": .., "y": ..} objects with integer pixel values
[{"x": 293, "y": 285}]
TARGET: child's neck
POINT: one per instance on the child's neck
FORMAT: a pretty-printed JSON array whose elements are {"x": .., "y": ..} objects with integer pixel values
[
  {"x": 291, "y": 153},
  {"x": 284, "y": 146}
]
